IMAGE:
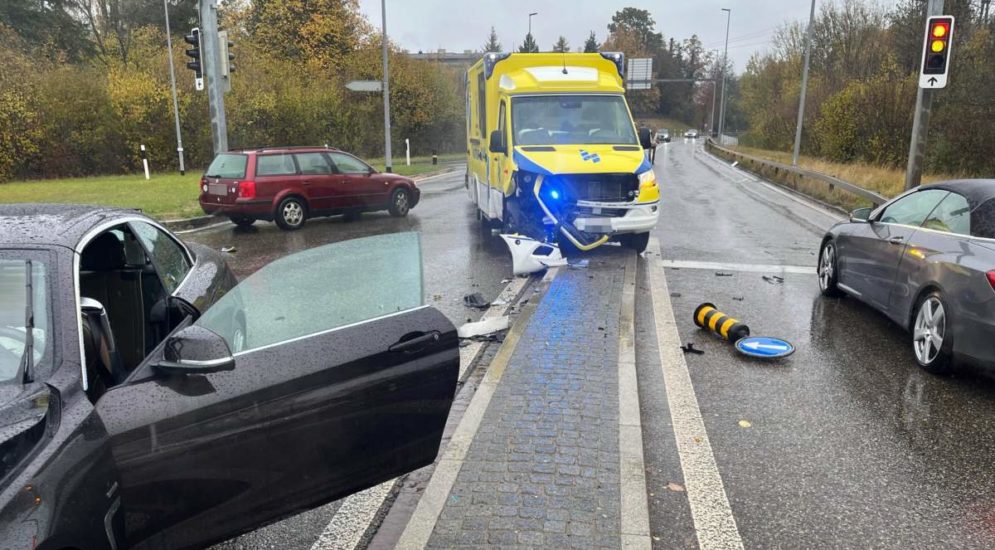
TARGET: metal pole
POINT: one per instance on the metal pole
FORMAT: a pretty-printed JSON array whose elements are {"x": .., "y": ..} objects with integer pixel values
[
  {"x": 715, "y": 96},
  {"x": 211, "y": 59},
  {"x": 172, "y": 82},
  {"x": 530, "y": 21},
  {"x": 725, "y": 63},
  {"x": 801, "y": 100},
  {"x": 388, "y": 165},
  {"x": 920, "y": 124}
]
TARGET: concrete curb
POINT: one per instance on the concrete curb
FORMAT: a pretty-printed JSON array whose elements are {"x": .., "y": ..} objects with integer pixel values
[{"x": 203, "y": 221}]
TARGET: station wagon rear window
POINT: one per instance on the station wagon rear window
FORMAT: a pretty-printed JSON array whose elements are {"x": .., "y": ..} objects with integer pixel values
[{"x": 228, "y": 165}]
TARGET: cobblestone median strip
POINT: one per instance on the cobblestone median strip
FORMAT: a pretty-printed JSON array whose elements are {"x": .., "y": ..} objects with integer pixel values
[
  {"x": 714, "y": 523},
  {"x": 543, "y": 469},
  {"x": 426, "y": 515},
  {"x": 346, "y": 528}
]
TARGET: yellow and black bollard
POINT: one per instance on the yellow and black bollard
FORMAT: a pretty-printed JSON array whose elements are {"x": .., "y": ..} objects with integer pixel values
[{"x": 706, "y": 316}]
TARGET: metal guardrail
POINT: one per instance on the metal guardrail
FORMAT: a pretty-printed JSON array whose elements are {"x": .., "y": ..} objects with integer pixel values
[{"x": 831, "y": 181}]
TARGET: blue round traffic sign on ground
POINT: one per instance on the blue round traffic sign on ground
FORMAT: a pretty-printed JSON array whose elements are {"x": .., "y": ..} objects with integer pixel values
[{"x": 764, "y": 347}]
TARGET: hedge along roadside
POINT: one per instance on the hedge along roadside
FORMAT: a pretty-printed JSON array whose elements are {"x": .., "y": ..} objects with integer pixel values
[{"x": 827, "y": 189}]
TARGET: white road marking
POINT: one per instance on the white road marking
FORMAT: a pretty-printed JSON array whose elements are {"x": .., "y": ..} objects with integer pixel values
[
  {"x": 750, "y": 268},
  {"x": 832, "y": 215},
  {"x": 419, "y": 181},
  {"x": 714, "y": 523},
  {"x": 635, "y": 526},
  {"x": 419, "y": 529},
  {"x": 346, "y": 528}
]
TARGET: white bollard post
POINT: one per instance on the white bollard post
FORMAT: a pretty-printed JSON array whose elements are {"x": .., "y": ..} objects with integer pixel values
[
  {"x": 145, "y": 162},
  {"x": 407, "y": 152}
]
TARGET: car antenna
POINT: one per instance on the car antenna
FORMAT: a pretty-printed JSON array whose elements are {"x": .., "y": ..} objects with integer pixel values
[
  {"x": 564, "y": 53},
  {"x": 28, "y": 359}
]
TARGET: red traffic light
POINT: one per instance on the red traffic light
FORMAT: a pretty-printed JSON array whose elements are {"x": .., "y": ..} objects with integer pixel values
[{"x": 940, "y": 29}]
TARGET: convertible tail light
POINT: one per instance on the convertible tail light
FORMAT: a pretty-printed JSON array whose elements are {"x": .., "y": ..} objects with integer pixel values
[
  {"x": 247, "y": 189},
  {"x": 991, "y": 279}
]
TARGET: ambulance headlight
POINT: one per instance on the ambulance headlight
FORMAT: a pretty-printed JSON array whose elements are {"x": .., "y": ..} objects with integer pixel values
[{"x": 647, "y": 178}]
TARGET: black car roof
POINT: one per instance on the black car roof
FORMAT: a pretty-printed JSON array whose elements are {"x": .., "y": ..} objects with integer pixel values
[
  {"x": 976, "y": 191},
  {"x": 52, "y": 224}
]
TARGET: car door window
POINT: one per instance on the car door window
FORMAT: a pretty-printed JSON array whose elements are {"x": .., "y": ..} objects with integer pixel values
[
  {"x": 168, "y": 256},
  {"x": 314, "y": 164},
  {"x": 321, "y": 289},
  {"x": 348, "y": 164},
  {"x": 913, "y": 209},
  {"x": 275, "y": 165},
  {"x": 952, "y": 215},
  {"x": 983, "y": 220}
]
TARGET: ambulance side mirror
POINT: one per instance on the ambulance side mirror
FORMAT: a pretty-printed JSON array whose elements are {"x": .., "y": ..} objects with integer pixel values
[{"x": 497, "y": 142}]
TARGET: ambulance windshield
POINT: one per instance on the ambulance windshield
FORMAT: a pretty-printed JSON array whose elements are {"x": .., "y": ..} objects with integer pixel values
[{"x": 571, "y": 120}]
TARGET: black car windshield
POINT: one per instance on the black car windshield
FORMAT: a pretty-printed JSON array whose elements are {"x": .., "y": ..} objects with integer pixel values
[
  {"x": 571, "y": 120},
  {"x": 14, "y": 336},
  {"x": 228, "y": 165}
]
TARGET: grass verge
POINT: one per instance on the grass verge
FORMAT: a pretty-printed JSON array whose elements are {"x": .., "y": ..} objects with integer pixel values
[{"x": 165, "y": 196}]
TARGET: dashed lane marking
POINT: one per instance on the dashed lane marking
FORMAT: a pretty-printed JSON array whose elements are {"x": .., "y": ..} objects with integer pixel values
[
  {"x": 751, "y": 268},
  {"x": 714, "y": 523}
]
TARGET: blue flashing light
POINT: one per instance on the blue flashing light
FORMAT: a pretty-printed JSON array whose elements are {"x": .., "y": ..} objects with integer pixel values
[{"x": 554, "y": 193}]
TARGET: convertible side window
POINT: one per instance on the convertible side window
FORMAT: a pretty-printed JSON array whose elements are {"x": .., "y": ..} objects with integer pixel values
[
  {"x": 320, "y": 289},
  {"x": 167, "y": 255},
  {"x": 913, "y": 209},
  {"x": 952, "y": 215}
]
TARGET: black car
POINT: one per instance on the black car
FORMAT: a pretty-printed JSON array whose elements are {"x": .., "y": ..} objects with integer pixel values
[{"x": 146, "y": 401}]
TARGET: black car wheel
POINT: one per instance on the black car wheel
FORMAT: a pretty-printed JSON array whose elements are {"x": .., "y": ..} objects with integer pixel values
[
  {"x": 932, "y": 337},
  {"x": 827, "y": 271},
  {"x": 400, "y": 203},
  {"x": 291, "y": 214},
  {"x": 242, "y": 222}
]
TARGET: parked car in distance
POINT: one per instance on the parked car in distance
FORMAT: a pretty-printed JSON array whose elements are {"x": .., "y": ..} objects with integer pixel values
[
  {"x": 288, "y": 185},
  {"x": 149, "y": 401},
  {"x": 691, "y": 134},
  {"x": 926, "y": 259},
  {"x": 663, "y": 136}
]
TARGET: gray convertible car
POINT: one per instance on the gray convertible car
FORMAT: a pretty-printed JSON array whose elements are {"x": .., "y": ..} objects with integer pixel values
[{"x": 927, "y": 260}]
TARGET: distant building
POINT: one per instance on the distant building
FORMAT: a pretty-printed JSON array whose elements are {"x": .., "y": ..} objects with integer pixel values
[{"x": 453, "y": 59}]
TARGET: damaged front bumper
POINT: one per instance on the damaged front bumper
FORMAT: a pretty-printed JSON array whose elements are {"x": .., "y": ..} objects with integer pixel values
[{"x": 615, "y": 218}]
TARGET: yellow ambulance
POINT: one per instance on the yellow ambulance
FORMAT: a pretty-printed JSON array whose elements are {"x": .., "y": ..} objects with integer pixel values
[{"x": 552, "y": 151}]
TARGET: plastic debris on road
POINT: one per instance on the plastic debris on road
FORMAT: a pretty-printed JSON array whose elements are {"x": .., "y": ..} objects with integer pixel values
[
  {"x": 689, "y": 348},
  {"x": 229, "y": 249},
  {"x": 531, "y": 256},
  {"x": 773, "y": 279},
  {"x": 483, "y": 328}
]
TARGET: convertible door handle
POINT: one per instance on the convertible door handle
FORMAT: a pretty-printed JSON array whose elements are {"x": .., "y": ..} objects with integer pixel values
[
  {"x": 410, "y": 343},
  {"x": 896, "y": 240}
]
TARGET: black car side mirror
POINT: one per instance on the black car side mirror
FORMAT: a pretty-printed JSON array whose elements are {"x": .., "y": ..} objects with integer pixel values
[
  {"x": 861, "y": 215},
  {"x": 497, "y": 142},
  {"x": 195, "y": 350},
  {"x": 645, "y": 138}
]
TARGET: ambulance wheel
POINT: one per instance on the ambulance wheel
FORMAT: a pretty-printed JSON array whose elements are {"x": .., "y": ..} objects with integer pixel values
[{"x": 637, "y": 242}]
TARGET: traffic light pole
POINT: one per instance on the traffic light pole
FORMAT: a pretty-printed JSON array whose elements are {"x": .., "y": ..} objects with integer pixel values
[
  {"x": 386, "y": 92},
  {"x": 172, "y": 82},
  {"x": 920, "y": 124},
  {"x": 211, "y": 60}
]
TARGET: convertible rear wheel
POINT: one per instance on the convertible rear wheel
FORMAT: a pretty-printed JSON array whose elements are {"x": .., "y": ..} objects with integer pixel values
[{"x": 932, "y": 339}]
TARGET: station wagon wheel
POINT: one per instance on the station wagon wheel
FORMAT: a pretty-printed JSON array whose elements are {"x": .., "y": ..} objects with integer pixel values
[
  {"x": 291, "y": 213},
  {"x": 400, "y": 203},
  {"x": 932, "y": 339},
  {"x": 828, "y": 272}
]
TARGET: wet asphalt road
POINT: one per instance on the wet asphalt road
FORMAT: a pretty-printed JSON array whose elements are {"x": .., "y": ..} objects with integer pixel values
[
  {"x": 458, "y": 257},
  {"x": 851, "y": 445}
]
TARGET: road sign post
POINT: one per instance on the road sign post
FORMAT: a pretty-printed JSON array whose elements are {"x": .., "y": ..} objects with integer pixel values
[{"x": 924, "y": 96}]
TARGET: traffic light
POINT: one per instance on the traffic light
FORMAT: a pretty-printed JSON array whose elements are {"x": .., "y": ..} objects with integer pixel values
[
  {"x": 936, "y": 51},
  {"x": 194, "y": 40},
  {"x": 227, "y": 67}
]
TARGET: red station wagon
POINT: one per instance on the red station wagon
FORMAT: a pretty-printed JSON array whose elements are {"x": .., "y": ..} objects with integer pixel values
[{"x": 288, "y": 185}]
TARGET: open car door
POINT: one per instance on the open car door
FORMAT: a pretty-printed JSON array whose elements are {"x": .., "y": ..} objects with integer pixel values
[{"x": 344, "y": 380}]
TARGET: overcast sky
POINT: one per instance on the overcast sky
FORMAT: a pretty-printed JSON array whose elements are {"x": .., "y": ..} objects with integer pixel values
[{"x": 458, "y": 25}]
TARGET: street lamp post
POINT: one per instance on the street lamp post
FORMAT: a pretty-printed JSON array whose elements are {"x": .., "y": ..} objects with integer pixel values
[
  {"x": 530, "y": 21},
  {"x": 386, "y": 91},
  {"x": 172, "y": 83},
  {"x": 725, "y": 64},
  {"x": 715, "y": 97},
  {"x": 801, "y": 100}
]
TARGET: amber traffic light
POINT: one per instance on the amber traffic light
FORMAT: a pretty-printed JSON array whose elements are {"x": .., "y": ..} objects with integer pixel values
[{"x": 939, "y": 31}]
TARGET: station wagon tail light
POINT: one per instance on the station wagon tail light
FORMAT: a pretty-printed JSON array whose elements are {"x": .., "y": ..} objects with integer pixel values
[
  {"x": 991, "y": 279},
  {"x": 203, "y": 185},
  {"x": 247, "y": 189}
]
